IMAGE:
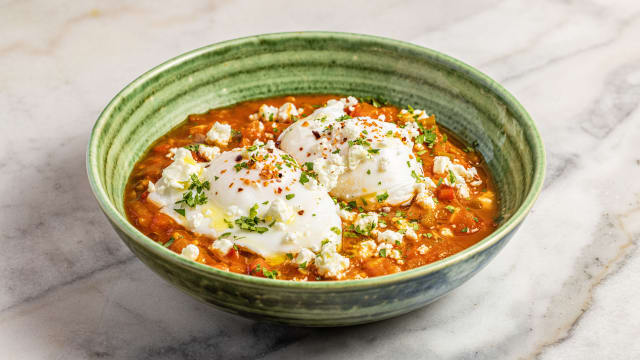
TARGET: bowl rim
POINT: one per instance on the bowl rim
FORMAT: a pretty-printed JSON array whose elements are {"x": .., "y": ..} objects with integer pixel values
[{"x": 471, "y": 73}]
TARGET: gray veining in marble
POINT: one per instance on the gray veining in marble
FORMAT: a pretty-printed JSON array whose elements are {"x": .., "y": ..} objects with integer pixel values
[{"x": 564, "y": 288}]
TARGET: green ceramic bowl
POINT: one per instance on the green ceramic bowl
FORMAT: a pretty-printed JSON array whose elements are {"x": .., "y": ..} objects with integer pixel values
[{"x": 464, "y": 100}]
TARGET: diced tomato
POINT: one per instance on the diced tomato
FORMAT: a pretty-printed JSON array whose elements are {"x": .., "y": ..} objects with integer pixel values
[
  {"x": 380, "y": 266},
  {"x": 160, "y": 222},
  {"x": 255, "y": 267},
  {"x": 446, "y": 193},
  {"x": 233, "y": 253},
  {"x": 162, "y": 148}
]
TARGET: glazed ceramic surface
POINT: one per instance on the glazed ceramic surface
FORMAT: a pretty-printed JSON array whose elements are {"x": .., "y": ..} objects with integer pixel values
[{"x": 467, "y": 102}]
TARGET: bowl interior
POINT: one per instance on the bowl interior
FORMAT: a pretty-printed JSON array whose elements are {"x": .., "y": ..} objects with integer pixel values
[{"x": 470, "y": 104}]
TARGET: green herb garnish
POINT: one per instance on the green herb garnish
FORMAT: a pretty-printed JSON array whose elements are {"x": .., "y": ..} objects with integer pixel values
[{"x": 382, "y": 197}]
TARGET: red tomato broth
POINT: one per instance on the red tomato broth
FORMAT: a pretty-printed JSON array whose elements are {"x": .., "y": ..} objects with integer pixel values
[{"x": 472, "y": 220}]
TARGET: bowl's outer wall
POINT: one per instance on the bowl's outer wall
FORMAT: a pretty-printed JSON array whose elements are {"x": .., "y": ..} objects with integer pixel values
[
  {"x": 474, "y": 107},
  {"x": 322, "y": 307}
]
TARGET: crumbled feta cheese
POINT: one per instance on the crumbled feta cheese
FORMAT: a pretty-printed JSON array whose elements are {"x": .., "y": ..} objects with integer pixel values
[
  {"x": 390, "y": 236},
  {"x": 422, "y": 249},
  {"x": 223, "y": 245},
  {"x": 382, "y": 117},
  {"x": 330, "y": 263},
  {"x": 190, "y": 252},
  {"x": 383, "y": 163},
  {"x": 279, "y": 211},
  {"x": 446, "y": 232},
  {"x": 346, "y": 215},
  {"x": 194, "y": 219},
  {"x": 180, "y": 170},
  {"x": 287, "y": 111},
  {"x": 366, "y": 222},
  {"x": 270, "y": 145},
  {"x": 219, "y": 134},
  {"x": 357, "y": 154},
  {"x": 389, "y": 251},
  {"x": 412, "y": 129},
  {"x": 329, "y": 170},
  {"x": 441, "y": 164},
  {"x": 416, "y": 114},
  {"x": 411, "y": 234},
  {"x": 463, "y": 190},
  {"x": 367, "y": 249},
  {"x": 268, "y": 112},
  {"x": 350, "y": 102},
  {"x": 424, "y": 197},
  {"x": 171, "y": 153},
  {"x": 208, "y": 152},
  {"x": 351, "y": 130},
  {"x": 305, "y": 256}
]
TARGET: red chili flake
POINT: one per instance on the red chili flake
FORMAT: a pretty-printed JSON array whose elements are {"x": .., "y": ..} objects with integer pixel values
[
  {"x": 279, "y": 190},
  {"x": 240, "y": 189},
  {"x": 316, "y": 134},
  {"x": 301, "y": 212},
  {"x": 238, "y": 158}
]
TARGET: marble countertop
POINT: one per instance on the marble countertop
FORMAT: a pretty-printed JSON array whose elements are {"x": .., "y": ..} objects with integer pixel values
[{"x": 566, "y": 287}]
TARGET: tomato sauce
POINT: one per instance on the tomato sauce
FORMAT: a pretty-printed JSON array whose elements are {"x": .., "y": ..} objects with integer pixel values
[{"x": 454, "y": 224}]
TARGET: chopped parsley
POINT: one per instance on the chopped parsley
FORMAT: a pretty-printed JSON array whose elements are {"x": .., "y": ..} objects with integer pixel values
[
  {"x": 373, "y": 151},
  {"x": 309, "y": 166},
  {"x": 336, "y": 230},
  {"x": 191, "y": 200},
  {"x": 304, "y": 178},
  {"x": 450, "y": 208},
  {"x": 180, "y": 211},
  {"x": 271, "y": 274},
  {"x": 193, "y": 147},
  {"x": 359, "y": 141},
  {"x": 303, "y": 265},
  {"x": 382, "y": 197},
  {"x": 452, "y": 177},
  {"x": 429, "y": 138},
  {"x": 289, "y": 256},
  {"x": 240, "y": 166},
  {"x": 383, "y": 252},
  {"x": 168, "y": 243},
  {"x": 290, "y": 196},
  {"x": 376, "y": 102},
  {"x": 466, "y": 229}
]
